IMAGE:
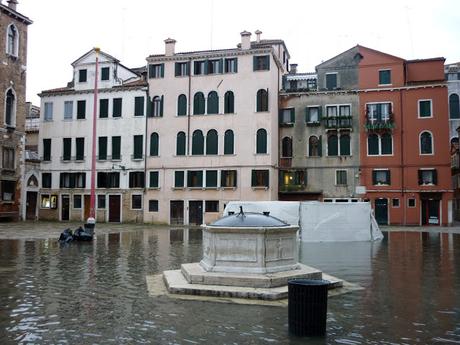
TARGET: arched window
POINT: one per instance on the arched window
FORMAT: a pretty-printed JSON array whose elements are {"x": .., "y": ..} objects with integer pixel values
[
  {"x": 197, "y": 143},
  {"x": 157, "y": 103},
  {"x": 213, "y": 103},
  {"x": 373, "y": 144},
  {"x": 426, "y": 143},
  {"x": 386, "y": 141},
  {"x": 454, "y": 107},
  {"x": 32, "y": 181},
  {"x": 229, "y": 142},
  {"x": 12, "y": 40},
  {"x": 314, "y": 146},
  {"x": 10, "y": 109},
  {"x": 261, "y": 141},
  {"x": 286, "y": 147},
  {"x": 198, "y": 104},
  {"x": 332, "y": 145},
  {"x": 212, "y": 142},
  {"x": 229, "y": 103},
  {"x": 154, "y": 144},
  {"x": 180, "y": 144},
  {"x": 182, "y": 105},
  {"x": 262, "y": 100},
  {"x": 345, "y": 145}
]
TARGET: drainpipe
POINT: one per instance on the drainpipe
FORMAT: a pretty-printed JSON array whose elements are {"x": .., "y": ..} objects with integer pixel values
[
  {"x": 402, "y": 149},
  {"x": 146, "y": 143},
  {"x": 189, "y": 104}
]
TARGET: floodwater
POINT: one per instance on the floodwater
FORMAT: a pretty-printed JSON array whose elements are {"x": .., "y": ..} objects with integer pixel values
[{"x": 96, "y": 293}]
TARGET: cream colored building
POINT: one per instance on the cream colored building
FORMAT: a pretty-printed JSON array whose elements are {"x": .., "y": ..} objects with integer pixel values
[{"x": 213, "y": 132}]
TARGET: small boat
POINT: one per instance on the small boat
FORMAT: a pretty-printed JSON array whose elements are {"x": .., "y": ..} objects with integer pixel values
[{"x": 85, "y": 233}]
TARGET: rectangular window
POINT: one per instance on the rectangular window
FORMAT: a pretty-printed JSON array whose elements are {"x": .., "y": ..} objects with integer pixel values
[
  {"x": 46, "y": 150},
  {"x": 381, "y": 177},
  {"x": 68, "y": 110},
  {"x": 105, "y": 73},
  {"x": 108, "y": 180},
  {"x": 45, "y": 201},
  {"x": 138, "y": 147},
  {"x": 341, "y": 177},
  {"x": 66, "y": 149},
  {"x": 153, "y": 180},
  {"x": 46, "y": 180},
  {"x": 102, "y": 148},
  {"x": 178, "y": 179},
  {"x": 313, "y": 114},
  {"x": 424, "y": 108},
  {"x": 385, "y": 77},
  {"x": 8, "y": 189},
  {"x": 411, "y": 202},
  {"x": 293, "y": 180},
  {"x": 331, "y": 81},
  {"x": 117, "y": 107},
  {"x": 82, "y": 76},
  {"x": 48, "y": 116},
  {"x": 80, "y": 149},
  {"x": 116, "y": 148},
  {"x": 8, "y": 158},
  {"x": 378, "y": 112},
  {"x": 231, "y": 65},
  {"x": 136, "y": 179},
  {"x": 211, "y": 206},
  {"x": 81, "y": 110},
  {"x": 228, "y": 178},
  {"x": 77, "y": 201},
  {"x": 427, "y": 177},
  {"x": 103, "y": 108},
  {"x": 287, "y": 116},
  {"x": 262, "y": 63},
  {"x": 101, "y": 201},
  {"x": 139, "y": 106},
  {"x": 395, "y": 202},
  {"x": 214, "y": 66},
  {"x": 260, "y": 178},
  {"x": 199, "y": 67},
  {"x": 72, "y": 180},
  {"x": 157, "y": 70},
  {"x": 211, "y": 179},
  {"x": 195, "y": 178},
  {"x": 136, "y": 202},
  {"x": 181, "y": 69},
  {"x": 153, "y": 205}
]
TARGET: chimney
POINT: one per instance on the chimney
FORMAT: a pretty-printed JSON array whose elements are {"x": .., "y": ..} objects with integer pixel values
[
  {"x": 293, "y": 68},
  {"x": 12, "y": 4},
  {"x": 170, "y": 47},
  {"x": 258, "y": 33},
  {"x": 245, "y": 40}
]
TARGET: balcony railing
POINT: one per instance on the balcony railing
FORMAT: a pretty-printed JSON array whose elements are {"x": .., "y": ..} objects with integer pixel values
[
  {"x": 379, "y": 122},
  {"x": 338, "y": 122},
  {"x": 291, "y": 187}
]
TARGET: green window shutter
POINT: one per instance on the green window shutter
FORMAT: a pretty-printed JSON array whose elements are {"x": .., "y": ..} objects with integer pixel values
[
  {"x": 67, "y": 148},
  {"x": 261, "y": 142},
  {"x": 292, "y": 115},
  {"x": 197, "y": 143},
  {"x": 374, "y": 177},
  {"x": 80, "y": 149},
  {"x": 105, "y": 73},
  {"x": 213, "y": 103},
  {"x": 154, "y": 144},
  {"x": 117, "y": 106},
  {"x": 332, "y": 145},
  {"x": 161, "y": 105},
  {"x": 81, "y": 109},
  {"x": 139, "y": 106},
  {"x": 153, "y": 179},
  {"x": 373, "y": 144},
  {"x": 236, "y": 65},
  {"x": 254, "y": 63},
  {"x": 182, "y": 105},
  {"x": 180, "y": 144},
  {"x": 116, "y": 147},
  {"x": 177, "y": 69},
  {"x": 228, "y": 142},
  {"x": 178, "y": 179},
  {"x": 307, "y": 115},
  {"x": 267, "y": 62},
  {"x": 435, "y": 176},
  {"x": 198, "y": 104},
  {"x": 206, "y": 67},
  {"x": 221, "y": 66},
  {"x": 46, "y": 149},
  {"x": 188, "y": 68},
  {"x": 211, "y": 178},
  {"x": 102, "y": 144},
  {"x": 320, "y": 113},
  {"x": 138, "y": 147},
  {"x": 162, "y": 70},
  {"x": 212, "y": 142},
  {"x": 320, "y": 146},
  {"x": 345, "y": 145},
  {"x": 149, "y": 107},
  {"x": 103, "y": 108},
  {"x": 266, "y": 178},
  {"x": 253, "y": 178},
  {"x": 386, "y": 143},
  {"x": 229, "y": 107}
]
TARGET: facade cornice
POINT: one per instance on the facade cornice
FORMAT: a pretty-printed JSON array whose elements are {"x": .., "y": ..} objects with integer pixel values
[
  {"x": 90, "y": 91},
  {"x": 208, "y": 54},
  {"x": 15, "y": 15}
]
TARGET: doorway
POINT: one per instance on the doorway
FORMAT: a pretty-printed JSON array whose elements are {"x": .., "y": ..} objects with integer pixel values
[
  {"x": 195, "y": 212},
  {"x": 65, "y": 207},
  {"x": 114, "y": 208},
  {"x": 430, "y": 212},
  {"x": 176, "y": 212},
  {"x": 31, "y": 205},
  {"x": 381, "y": 211},
  {"x": 86, "y": 206}
]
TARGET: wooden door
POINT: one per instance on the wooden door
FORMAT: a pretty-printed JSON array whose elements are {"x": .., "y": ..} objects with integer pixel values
[
  {"x": 176, "y": 212},
  {"x": 195, "y": 215},
  {"x": 65, "y": 207},
  {"x": 31, "y": 205},
  {"x": 87, "y": 209},
  {"x": 115, "y": 208},
  {"x": 381, "y": 211}
]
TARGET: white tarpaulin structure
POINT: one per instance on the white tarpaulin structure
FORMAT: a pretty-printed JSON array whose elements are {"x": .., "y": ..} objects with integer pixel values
[{"x": 318, "y": 221}]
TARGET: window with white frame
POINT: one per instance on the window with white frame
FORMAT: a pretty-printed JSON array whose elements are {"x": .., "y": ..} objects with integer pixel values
[
  {"x": 379, "y": 145},
  {"x": 381, "y": 177},
  {"x": 411, "y": 202},
  {"x": 427, "y": 177},
  {"x": 395, "y": 202},
  {"x": 426, "y": 143},
  {"x": 385, "y": 77},
  {"x": 68, "y": 110},
  {"x": 313, "y": 114},
  {"x": 378, "y": 112},
  {"x": 48, "y": 115},
  {"x": 425, "y": 108},
  {"x": 331, "y": 81}
]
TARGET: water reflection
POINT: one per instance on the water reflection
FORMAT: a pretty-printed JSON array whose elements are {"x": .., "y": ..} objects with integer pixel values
[{"x": 96, "y": 292}]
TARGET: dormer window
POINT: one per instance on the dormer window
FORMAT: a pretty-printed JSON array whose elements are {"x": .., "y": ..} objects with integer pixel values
[
  {"x": 12, "y": 41},
  {"x": 82, "y": 76}
]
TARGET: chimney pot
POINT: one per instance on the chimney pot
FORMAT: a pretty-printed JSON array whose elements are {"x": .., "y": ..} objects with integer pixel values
[
  {"x": 170, "y": 46},
  {"x": 258, "y": 33},
  {"x": 12, "y": 4},
  {"x": 293, "y": 68},
  {"x": 245, "y": 40}
]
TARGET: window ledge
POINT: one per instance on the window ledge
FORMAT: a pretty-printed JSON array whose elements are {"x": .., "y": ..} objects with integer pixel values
[
  {"x": 261, "y": 154},
  {"x": 177, "y": 188},
  {"x": 196, "y": 188},
  {"x": 211, "y": 188},
  {"x": 341, "y": 185},
  {"x": 262, "y": 111},
  {"x": 154, "y": 188},
  {"x": 259, "y": 188},
  {"x": 228, "y": 188}
]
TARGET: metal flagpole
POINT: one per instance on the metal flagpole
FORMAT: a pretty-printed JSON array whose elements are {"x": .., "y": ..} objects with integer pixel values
[{"x": 92, "y": 212}]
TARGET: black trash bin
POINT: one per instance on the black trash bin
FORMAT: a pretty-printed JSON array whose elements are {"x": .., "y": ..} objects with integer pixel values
[{"x": 307, "y": 307}]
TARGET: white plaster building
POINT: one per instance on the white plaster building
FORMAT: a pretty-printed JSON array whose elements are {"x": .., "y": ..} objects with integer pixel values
[
  {"x": 452, "y": 72},
  {"x": 213, "y": 133},
  {"x": 65, "y": 143}
]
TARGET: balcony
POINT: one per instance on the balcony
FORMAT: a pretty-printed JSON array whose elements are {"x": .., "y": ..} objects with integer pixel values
[
  {"x": 291, "y": 188},
  {"x": 337, "y": 122},
  {"x": 379, "y": 122}
]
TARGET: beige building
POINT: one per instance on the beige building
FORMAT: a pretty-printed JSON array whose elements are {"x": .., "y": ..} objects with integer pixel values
[{"x": 213, "y": 132}]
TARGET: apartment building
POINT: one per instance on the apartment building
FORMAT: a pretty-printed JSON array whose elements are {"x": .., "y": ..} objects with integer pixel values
[
  {"x": 13, "y": 66},
  {"x": 212, "y": 136},
  {"x": 65, "y": 142}
]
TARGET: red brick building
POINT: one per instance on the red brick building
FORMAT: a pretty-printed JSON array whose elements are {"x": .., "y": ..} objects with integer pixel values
[{"x": 404, "y": 140}]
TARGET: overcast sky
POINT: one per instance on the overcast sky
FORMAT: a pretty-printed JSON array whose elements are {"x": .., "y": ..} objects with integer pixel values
[{"x": 314, "y": 31}]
